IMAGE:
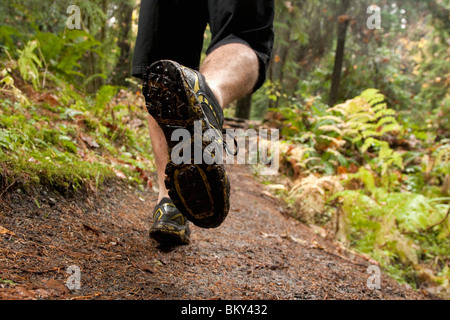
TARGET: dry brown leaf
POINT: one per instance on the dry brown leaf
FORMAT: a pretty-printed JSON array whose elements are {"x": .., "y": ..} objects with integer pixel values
[
  {"x": 49, "y": 98},
  {"x": 119, "y": 174},
  {"x": 267, "y": 194},
  {"x": 6, "y": 231},
  {"x": 144, "y": 267},
  {"x": 89, "y": 140}
]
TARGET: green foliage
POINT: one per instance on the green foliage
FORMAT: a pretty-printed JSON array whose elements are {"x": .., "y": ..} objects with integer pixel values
[
  {"x": 313, "y": 127},
  {"x": 434, "y": 70},
  {"x": 8, "y": 35},
  {"x": 395, "y": 228},
  {"x": 103, "y": 97},
  {"x": 442, "y": 155},
  {"x": 29, "y": 63},
  {"x": 391, "y": 209},
  {"x": 367, "y": 116},
  {"x": 45, "y": 155},
  {"x": 7, "y": 83},
  {"x": 104, "y": 40},
  {"x": 59, "y": 54},
  {"x": 366, "y": 119},
  {"x": 361, "y": 122},
  {"x": 65, "y": 139}
]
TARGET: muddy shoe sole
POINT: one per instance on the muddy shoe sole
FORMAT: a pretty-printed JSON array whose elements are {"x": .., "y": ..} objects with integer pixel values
[{"x": 199, "y": 190}]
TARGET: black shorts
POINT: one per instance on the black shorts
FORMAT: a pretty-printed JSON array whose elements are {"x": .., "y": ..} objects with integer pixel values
[{"x": 174, "y": 30}]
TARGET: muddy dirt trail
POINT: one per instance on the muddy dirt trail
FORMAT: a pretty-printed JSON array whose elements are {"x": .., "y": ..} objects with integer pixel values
[{"x": 258, "y": 253}]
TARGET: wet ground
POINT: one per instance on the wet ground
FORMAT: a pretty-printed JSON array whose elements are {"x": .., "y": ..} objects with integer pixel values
[{"x": 258, "y": 253}]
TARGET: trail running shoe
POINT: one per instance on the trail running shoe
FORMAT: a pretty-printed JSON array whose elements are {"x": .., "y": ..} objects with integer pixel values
[
  {"x": 179, "y": 98},
  {"x": 170, "y": 227}
]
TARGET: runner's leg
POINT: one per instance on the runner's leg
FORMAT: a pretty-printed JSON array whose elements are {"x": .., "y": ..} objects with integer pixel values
[{"x": 168, "y": 29}]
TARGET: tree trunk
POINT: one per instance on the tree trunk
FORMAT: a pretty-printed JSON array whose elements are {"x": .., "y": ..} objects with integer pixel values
[
  {"x": 244, "y": 107},
  {"x": 281, "y": 49},
  {"x": 123, "y": 67},
  {"x": 343, "y": 22}
]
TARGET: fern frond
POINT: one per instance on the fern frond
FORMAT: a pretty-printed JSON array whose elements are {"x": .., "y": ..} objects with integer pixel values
[
  {"x": 386, "y": 120},
  {"x": 337, "y": 142},
  {"x": 331, "y": 128},
  {"x": 369, "y": 143},
  {"x": 390, "y": 128},
  {"x": 369, "y": 133},
  {"x": 332, "y": 118},
  {"x": 385, "y": 112},
  {"x": 334, "y": 152},
  {"x": 379, "y": 107}
]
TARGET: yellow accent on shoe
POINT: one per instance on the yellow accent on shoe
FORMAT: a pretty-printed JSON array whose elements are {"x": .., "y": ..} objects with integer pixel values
[{"x": 159, "y": 211}]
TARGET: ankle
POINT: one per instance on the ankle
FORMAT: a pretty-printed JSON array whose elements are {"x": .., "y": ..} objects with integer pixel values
[
  {"x": 162, "y": 196},
  {"x": 217, "y": 93}
]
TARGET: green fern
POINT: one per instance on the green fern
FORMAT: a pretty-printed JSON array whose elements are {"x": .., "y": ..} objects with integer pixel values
[
  {"x": 365, "y": 120},
  {"x": 29, "y": 63},
  {"x": 366, "y": 116}
]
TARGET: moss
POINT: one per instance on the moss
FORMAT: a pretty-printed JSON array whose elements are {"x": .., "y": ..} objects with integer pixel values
[{"x": 38, "y": 149}]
